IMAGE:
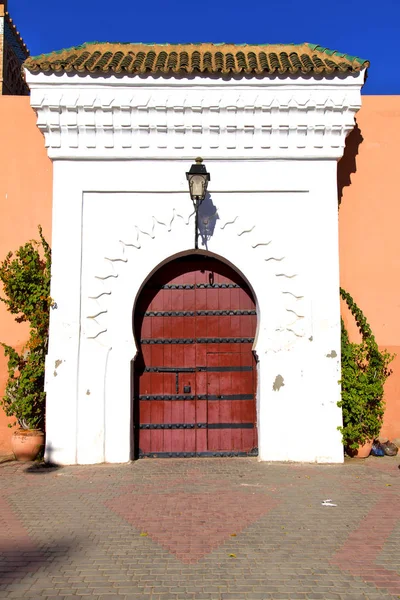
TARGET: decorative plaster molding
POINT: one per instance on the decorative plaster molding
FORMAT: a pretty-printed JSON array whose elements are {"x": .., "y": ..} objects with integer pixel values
[
  {"x": 96, "y": 326},
  {"x": 89, "y": 117}
]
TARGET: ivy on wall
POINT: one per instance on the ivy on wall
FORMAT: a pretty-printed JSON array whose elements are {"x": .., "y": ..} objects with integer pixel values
[
  {"x": 365, "y": 369},
  {"x": 25, "y": 276}
]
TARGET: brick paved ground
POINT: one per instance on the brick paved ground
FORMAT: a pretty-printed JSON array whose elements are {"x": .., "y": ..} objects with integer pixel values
[{"x": 217, "y": 529}]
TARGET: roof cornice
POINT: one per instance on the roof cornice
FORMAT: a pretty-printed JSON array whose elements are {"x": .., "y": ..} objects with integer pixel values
[{"x": 111, "y": 117}]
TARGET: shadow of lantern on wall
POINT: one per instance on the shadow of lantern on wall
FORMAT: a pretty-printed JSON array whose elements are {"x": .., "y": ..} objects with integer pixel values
[
  {"x": 207, "y": 220},
  {"x": 198, "y": 179}
]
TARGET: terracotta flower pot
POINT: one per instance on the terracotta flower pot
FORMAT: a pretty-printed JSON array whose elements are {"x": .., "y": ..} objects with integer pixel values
[
  {"x": 26, "y": 443},
  {"x": 365, "y": 450}
]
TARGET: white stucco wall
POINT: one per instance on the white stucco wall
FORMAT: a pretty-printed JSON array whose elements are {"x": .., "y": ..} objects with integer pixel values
[{"x": 122, "y": 208}]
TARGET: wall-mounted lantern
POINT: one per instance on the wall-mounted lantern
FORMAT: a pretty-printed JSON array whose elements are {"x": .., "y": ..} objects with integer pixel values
[{"x": 198, "y": 179}]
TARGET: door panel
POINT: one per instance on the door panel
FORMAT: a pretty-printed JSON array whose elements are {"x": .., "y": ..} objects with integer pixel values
[{"x": 194, "y": 390}]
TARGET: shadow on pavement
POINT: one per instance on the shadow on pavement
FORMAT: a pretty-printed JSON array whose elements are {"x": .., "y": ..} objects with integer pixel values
[
  {"x": 44, "y": 466},
  {"x": 20, "y": 559},
  {"x": 41, "y": 468}
]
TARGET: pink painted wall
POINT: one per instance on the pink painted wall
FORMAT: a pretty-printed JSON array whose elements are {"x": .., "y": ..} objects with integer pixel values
[
  {"x": 25, "y": 193},
  {"x": 369, "y": 218}
]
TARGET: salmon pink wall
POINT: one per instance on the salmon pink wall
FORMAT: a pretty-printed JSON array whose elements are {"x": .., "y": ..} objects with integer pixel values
[
  {"x": 369, "y": 218},
  {"x": 25, "y": 193}
]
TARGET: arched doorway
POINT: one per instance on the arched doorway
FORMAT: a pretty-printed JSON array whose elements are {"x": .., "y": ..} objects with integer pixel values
[{"x": 195, "y": 373}]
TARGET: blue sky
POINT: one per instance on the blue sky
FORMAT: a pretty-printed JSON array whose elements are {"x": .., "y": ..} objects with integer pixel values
[{"x": 367, "y": 28}]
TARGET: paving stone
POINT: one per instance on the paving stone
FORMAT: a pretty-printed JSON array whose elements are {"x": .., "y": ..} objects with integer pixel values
[
  {"x": 110, "y": 597},
  {"x": 201, "y": 529}
]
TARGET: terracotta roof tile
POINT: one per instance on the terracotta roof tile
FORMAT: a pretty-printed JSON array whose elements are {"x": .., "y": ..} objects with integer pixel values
[{"x": 97, "y": 57}]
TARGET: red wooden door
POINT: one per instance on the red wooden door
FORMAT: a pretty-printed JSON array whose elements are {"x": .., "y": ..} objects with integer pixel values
[{"x": 195, "y": 373}]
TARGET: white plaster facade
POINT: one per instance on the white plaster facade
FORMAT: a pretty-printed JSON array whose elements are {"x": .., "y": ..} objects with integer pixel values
[{"x": 121, "y": 208}]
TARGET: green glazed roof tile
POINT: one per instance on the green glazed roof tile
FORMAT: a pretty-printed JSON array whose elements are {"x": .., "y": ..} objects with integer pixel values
[{"x": 108, "y": 57}]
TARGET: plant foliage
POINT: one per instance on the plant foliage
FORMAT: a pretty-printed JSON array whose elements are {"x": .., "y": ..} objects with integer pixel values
[
  {"x": 364, "y": 371},
  {"x": 25, "y": 276}
]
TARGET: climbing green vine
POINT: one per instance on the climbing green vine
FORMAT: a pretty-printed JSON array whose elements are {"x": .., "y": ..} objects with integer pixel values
[
  {"x": 365, "y": 369},
  {"x": 25, "y": 276}
]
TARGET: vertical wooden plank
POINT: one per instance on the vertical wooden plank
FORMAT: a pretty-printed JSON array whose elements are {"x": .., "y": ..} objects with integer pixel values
[
  {"x": 237, "y": 417},
  {"x": 144, "y": 441},
  {"x": 247, "y": 329},
  {"x": 189, "y": 357},
  {"x": 248, "y": 440},
  {"x": 168, "y": 351},
  {"x": 248, "y": 406},
  {"x": 177, "y": 416},
  {"x": 201, "y": 410},
  {"x": 189, "y": 299},
  {"x": 167, "y": 300},
  {"x": 157, "y": 327},
  {"x": 144, "y": 435},
  {"x": 224, "y": 299},
  {"x": 168, "y": 389},
  {"x": 167, "y": 327},
  {"x": 190, "y": 418},
  {"x": 246, "y": 300},
  {"x": 225, "y": 409},
  {"x": 178, "y": 355},
  {"x": 201, "y": 326},
  {"x": 146, "y": 327},
  {"x": 224, "y": 326},
  {"x": 235, "y": 322},
  {"x": 234, "y": 295},
  {"x": 212, "y": 299},
  {"x": 231, "y": 438},
  {"x": 189, "y": 327},
  {"x": 255, "y": 432},
  {"x": 157, "y": 435},
  {"x": 212, "y": 325},
  {"x": 177, "y": 300},
  {"x": 213, "y": 389},
  {"x": 145, "y": 383},
  {"x": 201, "y": 355},
  {"x": 201, "y": 299},
  {"x": 157, "y": 355},
  {"x": 177, "y": 327},
  {"x": 189, "y": 379},
  {"x": 146, "y": 353}
]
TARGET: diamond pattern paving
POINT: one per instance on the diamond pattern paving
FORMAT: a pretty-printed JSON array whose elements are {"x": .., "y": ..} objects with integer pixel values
[
  {"x": 361, "y": 550},
  {"x": 191, "y": 525}
]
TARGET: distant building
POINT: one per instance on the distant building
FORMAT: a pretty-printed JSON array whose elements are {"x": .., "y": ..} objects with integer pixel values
[{"x": 13, "y": 52}]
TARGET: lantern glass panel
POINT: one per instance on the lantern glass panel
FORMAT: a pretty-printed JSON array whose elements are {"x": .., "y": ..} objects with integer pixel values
[{"x": 197, "y": 184}]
